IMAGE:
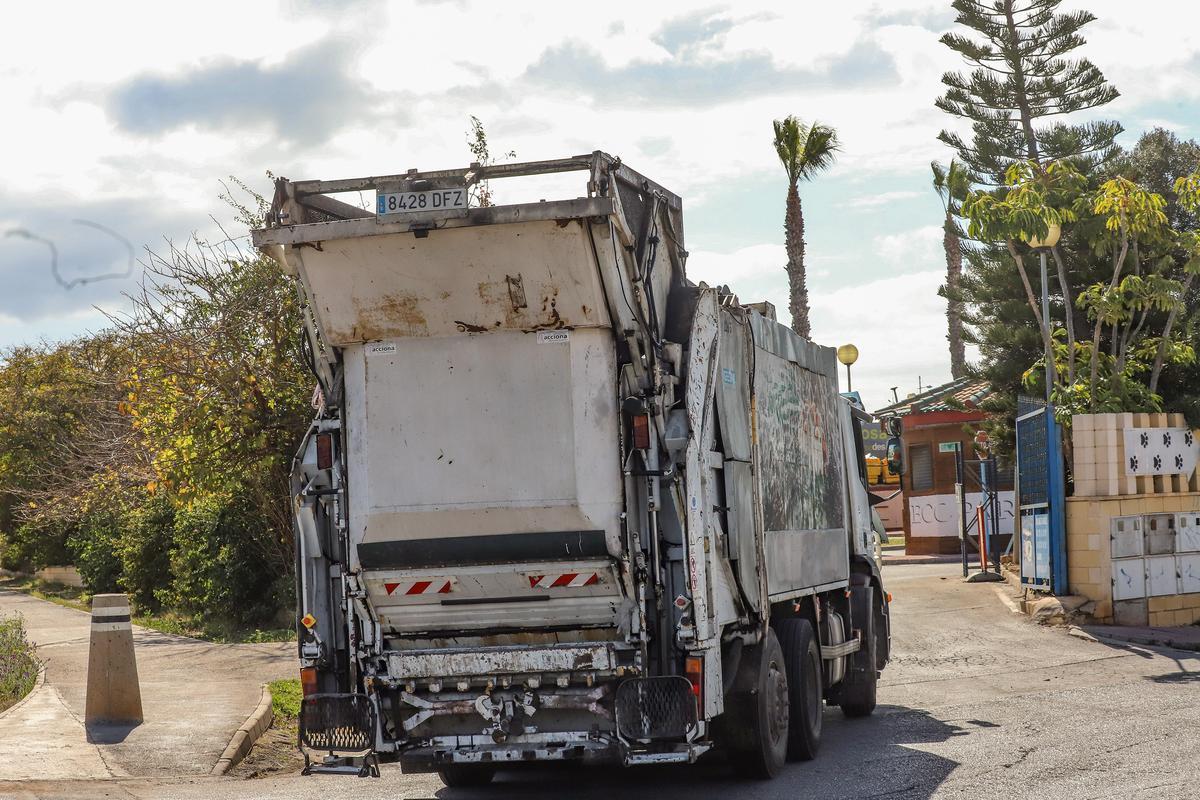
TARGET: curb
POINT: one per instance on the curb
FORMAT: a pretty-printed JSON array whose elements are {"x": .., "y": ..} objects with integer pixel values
[
  {"x": 37, "y": 684},
  {"x": 1145, "y": 641},
  {"x": 889, "y": 560},
  {"x": 245, "y": 737}
]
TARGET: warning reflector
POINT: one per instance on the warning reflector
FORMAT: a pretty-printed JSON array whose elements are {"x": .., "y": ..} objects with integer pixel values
[
  {"x": 426, "y": 586},
  {"x": 308, "y": 621},
  {"x": 570, "y": 580}
]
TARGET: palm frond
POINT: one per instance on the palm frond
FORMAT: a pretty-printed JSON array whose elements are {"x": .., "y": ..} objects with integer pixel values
[
  {"x": 820, "y": 148},
  {"x": 790, "y": 134}
]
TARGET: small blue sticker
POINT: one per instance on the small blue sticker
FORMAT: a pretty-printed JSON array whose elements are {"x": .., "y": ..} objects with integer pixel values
[{"x": 727, "y": 376}]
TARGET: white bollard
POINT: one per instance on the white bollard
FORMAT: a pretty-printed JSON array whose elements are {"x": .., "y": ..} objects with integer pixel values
[{"x": 113, "y": 693}]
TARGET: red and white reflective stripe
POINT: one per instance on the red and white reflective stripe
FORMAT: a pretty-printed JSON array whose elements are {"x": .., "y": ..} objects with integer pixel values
[
  {"x": 431, "y": 586},
  {"x": 572, "y": 580}
]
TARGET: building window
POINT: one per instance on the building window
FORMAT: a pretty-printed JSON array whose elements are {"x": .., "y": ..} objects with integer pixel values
[{"x": 920, "y": 460}]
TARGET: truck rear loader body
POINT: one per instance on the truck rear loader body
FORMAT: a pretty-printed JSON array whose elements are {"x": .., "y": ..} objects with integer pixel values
[{"x": 559, "y": 502}]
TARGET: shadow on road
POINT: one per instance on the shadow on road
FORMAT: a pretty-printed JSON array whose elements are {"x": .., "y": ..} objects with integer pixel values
[
  {"x": 1176, "y": 677},
  {"x": 882, "y": 756}
]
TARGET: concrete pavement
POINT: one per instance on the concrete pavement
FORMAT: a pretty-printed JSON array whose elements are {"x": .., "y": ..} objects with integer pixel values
[
  {"x": 195, "y": 695},
  {"x": 978, "y": 702}
]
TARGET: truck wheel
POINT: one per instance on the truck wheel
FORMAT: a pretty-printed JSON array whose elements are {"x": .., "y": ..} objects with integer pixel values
[
  {"x": 804, "y": 673},
  {"x": 858, "y": 688},
  {"x": 458, "y": 776},
  {"x": 765, "y": 720}
]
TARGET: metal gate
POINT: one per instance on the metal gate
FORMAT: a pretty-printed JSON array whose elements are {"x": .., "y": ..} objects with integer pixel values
[
  {"x": 978, "y": 531},
  {"x": 1041, "y": 497}
]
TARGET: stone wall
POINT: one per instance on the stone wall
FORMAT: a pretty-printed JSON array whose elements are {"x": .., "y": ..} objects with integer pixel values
[{"x": 68, "y": 576}]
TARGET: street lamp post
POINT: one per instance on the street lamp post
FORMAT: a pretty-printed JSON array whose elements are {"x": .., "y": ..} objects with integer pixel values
[
  {"x": 848, "y": 354},
  {"x": 1043, "y": 247}
]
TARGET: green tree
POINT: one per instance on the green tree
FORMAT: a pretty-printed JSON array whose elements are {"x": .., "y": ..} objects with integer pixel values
[
  {"x": 1020, "y": 77},
  {"x": 54, "y": 397},
  {"x": 1156, "y": 162},
  {"x": 1133, "y": 308},
  {"x": 804, "y": 150},
  {"x": 156, "y": 453},
  {"x": 1024, "y": 81},
  {"x": 952, "y": 185}
]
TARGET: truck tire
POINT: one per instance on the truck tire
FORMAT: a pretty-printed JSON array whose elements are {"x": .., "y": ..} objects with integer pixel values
[
  {"x": 461, "y": 776},
  {"x": 857, "y": 696},
  {"x": 764, "y": 734},
  {"x": 804, "y": 675}
]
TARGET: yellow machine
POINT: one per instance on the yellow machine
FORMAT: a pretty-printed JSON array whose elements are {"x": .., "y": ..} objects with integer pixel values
[{"x": 878, "y": 473}]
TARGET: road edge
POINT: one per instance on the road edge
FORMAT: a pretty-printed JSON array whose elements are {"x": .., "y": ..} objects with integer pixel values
[
  {"x": 1139, "y": 640},
  {"x": 244, "y": 738},
  {"x": 37, "y": 684}
]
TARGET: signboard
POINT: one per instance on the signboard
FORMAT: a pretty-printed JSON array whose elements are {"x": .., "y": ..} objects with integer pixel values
[
  {"x": 947, "y": 447},
  {"x": 937, "y": 514},
  {"x": 1035, "y": 547},
  {"x": 875, "y": 440}
]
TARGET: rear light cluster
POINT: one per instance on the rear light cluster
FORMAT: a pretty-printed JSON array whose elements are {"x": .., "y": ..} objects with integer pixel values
[
  {"x": 641, "y": 431},
  {"x": 693, "y": 670},
  {"x": 308, "y": 680},
  {"x": 324, "y": 451}
]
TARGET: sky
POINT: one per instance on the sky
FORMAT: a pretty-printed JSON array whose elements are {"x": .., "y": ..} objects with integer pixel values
[{"x": 124, "y": 127}]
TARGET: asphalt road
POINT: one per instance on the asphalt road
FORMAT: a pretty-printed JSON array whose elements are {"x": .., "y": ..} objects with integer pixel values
[{"x": 978, "y": 702}]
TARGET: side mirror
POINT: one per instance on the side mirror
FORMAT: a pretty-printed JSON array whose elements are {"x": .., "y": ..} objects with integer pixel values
[{"x": 895, "y": 456}]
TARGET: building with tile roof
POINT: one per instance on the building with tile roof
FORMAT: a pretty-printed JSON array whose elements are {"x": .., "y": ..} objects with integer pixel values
[{"x": 934, "y": 425}]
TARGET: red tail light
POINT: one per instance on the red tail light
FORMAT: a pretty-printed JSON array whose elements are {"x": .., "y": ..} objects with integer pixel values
[
  {"x": 693, "y": 669},
  {"x": 324, "y": 450},
  {"x": 641, "y": 431},
  {"x": 308, "y": 680}
]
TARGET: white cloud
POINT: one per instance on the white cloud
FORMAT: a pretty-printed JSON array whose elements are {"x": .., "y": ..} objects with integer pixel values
[
  {"x": 1177, "y": 128},
  {"x": 897, "y": 323},
  {"x": 920, "y": 246},
  {"x": 473, "y": 59},
  {"x": 899, "y": 327},
  {"x": 762, "y": 262},
  {"x": 881, "y": 199}
]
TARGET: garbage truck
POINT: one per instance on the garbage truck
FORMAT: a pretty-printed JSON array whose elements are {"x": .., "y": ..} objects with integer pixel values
[{"x": 559, "y": 502}]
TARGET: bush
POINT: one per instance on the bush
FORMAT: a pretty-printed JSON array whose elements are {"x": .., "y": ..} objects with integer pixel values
[
  {"x": 96, "y": 546},
  {"x": 145, "y": 551},
  {"x": 18, "y": 664},
  {"x": 219, "y": 576},
  {"x": 32, "y": 546}
]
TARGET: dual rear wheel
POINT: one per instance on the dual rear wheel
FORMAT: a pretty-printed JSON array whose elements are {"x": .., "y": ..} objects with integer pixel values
[
  {"x": 777, "y": 715},
  {"x": 781, "y": 718}
]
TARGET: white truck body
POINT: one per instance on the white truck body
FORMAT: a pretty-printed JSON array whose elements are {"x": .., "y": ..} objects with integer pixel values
[{"x": 549, "y": 473}]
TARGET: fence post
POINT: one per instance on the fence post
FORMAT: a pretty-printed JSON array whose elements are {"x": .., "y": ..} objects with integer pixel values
[{"x": 1057, "y": 497}]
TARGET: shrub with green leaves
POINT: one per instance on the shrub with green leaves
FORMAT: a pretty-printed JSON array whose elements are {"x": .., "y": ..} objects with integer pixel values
[{"x": 18, "y": 664}]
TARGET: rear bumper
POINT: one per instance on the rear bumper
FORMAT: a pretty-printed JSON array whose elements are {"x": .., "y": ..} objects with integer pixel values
[
  {"x": 577, "y": 747},
  {"x": 566, "y": 746},
  {"x": 601, "y": 658}
]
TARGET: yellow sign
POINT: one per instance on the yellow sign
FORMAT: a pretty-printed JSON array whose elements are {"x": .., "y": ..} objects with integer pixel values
[{"x": 308, "y": 621}]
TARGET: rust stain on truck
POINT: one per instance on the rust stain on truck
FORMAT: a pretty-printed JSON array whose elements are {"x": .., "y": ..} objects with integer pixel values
[{"x": 391, "y": 315}]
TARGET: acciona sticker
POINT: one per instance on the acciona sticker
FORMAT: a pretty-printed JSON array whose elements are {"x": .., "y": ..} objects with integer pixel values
[
  {"x": 553, "y": 337},
  {"x": 381, "y": 348}
]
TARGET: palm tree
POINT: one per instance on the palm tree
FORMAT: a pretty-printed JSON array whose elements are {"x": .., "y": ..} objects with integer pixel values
[
  {"x": 952, "y": 185},
  {"x": 804, "y": 151}
]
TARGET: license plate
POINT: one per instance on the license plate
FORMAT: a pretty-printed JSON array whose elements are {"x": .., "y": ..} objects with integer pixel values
[{"x": 429, "y": 200}]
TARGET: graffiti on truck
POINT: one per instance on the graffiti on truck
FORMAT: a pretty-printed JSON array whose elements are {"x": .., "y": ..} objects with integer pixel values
[{"x": 797, "y": 438}]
